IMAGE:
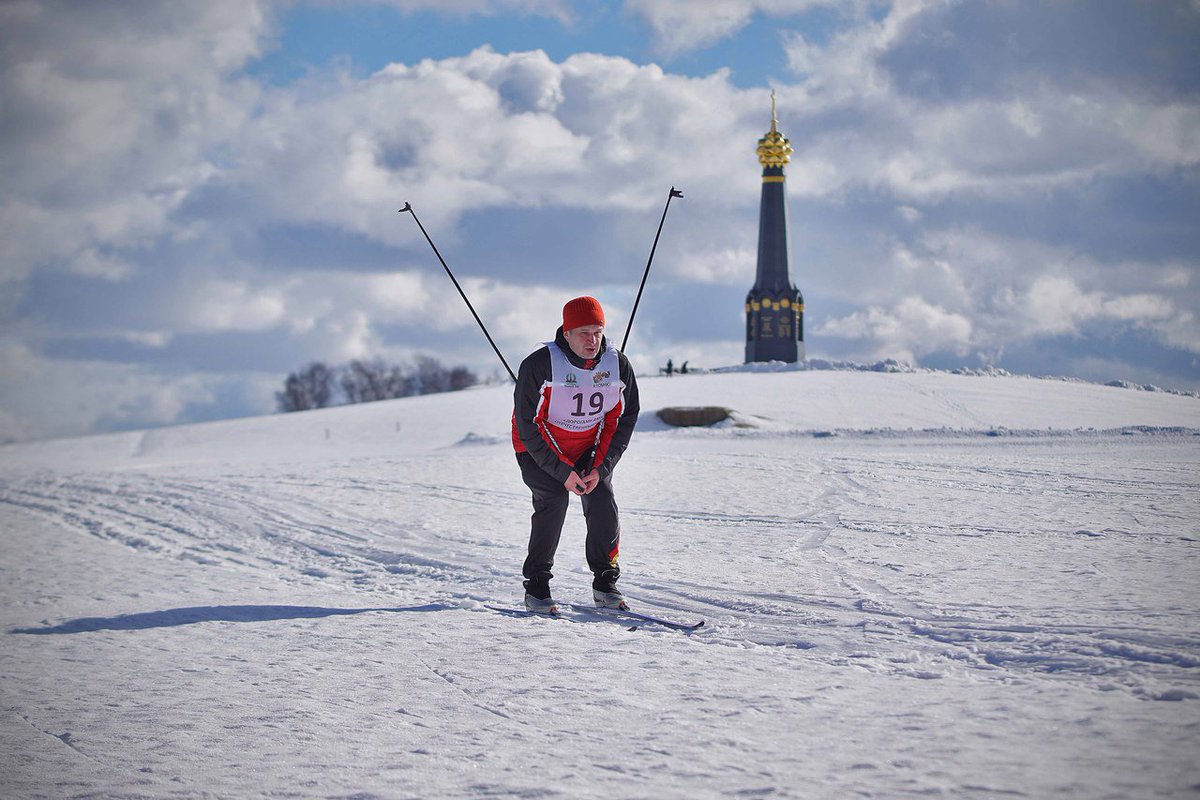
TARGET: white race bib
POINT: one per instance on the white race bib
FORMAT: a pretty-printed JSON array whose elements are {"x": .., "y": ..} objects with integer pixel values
[{"x": 579, "y": 398}]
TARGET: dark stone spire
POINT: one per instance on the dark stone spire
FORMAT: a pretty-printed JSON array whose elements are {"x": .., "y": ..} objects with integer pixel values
[{"x": 774, "y": 306}]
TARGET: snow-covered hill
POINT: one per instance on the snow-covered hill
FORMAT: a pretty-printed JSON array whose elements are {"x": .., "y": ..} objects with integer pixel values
[
  {"x": 772, "y": 403},
  {"x": 915, "y": 583}
]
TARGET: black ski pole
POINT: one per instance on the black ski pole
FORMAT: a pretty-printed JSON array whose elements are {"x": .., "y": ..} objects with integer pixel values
[
  {"x": 674, "y": 193},
  {"x": 408, "y": 207}
]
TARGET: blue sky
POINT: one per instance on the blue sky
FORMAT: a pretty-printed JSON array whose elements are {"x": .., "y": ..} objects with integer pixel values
[
  {"x": 201, "y": 197},
  {"x": 366, "y": 38}
]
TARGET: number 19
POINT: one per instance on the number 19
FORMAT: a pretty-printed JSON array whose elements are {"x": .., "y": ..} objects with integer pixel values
[{"x": 596, "y": 402}]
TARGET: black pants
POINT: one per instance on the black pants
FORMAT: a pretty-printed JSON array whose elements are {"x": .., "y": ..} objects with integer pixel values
[{"x": 550, "y": 502}]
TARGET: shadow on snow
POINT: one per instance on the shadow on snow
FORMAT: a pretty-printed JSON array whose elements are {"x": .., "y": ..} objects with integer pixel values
[{"x": 189, "y": 616}]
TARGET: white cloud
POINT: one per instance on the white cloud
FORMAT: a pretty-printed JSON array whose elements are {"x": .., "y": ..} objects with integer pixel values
[
  {"x": 1166, "y": 134},
  {"x": 908, "y": 330},
  {"x": 153, "y": 339},
  {"x": 724, "y": 265},
  {"x": 76, "y": 397},
  {"x": 487, "y": 131},
  {"x": 110, "y": 113},
  {"x": 93, "y": 263},
  {"x": 519, "y": 317},
  {"x": 877, "y": 104},
  {"x": 975, "y": 292},
  {"x": 142, "y": 165},
  {"x": 845, "y": 70},
  {"x": 1055, "y": 305},
  {"x": 233, "y": 306},
  {"x": 397, "y": 292},
  {"x": 683, "y": 25}
]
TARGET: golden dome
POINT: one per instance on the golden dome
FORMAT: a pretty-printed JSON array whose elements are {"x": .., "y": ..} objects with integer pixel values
[{"x": 774, "y": 150}]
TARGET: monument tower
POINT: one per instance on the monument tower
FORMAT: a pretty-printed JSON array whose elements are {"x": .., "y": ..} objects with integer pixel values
[{"x": 774, "y": 306}]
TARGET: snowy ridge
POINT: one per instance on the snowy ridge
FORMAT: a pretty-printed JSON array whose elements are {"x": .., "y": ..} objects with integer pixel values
[
  {"x": 1001, "y": 597},
  {"x": 891, "y": 365},
  {"x": 788, "y": 402}
]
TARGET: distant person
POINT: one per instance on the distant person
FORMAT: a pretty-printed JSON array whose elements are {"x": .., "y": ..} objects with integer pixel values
[
  {"x": 683, "y": 369},
  {"x": 670, "y": 367},
  {"x": 574, "y": 409}
]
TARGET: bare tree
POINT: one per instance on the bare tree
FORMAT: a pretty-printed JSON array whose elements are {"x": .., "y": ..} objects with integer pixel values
[
  {"x": 311, "y": 387},
  {"x": 365, "y": 381},
  {"x": 431, "y": 376},
  {"x": 461, "y": 378},
  {"x": 368, "y": 381}
]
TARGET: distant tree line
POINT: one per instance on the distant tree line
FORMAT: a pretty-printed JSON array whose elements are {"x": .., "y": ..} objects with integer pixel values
[{"x": 365, "y": 381}]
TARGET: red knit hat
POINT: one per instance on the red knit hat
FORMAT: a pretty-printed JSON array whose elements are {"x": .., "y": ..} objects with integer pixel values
[{"x": 582, "y": 311}]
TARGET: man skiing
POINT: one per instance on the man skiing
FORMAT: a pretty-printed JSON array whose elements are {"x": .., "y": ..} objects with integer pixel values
[{"x": 574, "y": 409}]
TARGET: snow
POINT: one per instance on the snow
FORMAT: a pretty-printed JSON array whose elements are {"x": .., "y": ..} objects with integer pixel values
[{"x": 915, "y": 584}]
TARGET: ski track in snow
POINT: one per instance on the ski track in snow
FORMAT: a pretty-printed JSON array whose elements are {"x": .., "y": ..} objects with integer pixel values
[
  {"x": 1053, "y": 567},
  {"x": 856, "y": 585},
  {"x": 369, "y": 532}
]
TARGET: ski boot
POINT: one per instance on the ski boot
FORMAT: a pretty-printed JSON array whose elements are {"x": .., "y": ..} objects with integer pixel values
[
  {"x": 540, "y": 605},
  {"x": 610, "y": 599}
]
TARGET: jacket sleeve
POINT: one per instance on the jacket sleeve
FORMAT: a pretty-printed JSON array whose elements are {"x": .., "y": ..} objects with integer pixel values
[
  {"x": 624, "y": 423},
  {"x": 533, "y": 373}
]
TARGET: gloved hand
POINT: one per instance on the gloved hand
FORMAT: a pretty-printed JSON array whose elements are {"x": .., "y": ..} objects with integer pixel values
[{"x": 575, "y": 484}]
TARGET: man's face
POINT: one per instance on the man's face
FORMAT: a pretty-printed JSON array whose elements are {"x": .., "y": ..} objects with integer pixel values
[{"x": 585, "y": 341}]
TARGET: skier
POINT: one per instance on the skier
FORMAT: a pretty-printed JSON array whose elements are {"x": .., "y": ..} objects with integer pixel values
[{"x": 574, "y": 410}]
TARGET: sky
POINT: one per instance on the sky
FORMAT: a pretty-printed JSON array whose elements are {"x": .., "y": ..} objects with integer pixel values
[{"x": 199, "y": 198}]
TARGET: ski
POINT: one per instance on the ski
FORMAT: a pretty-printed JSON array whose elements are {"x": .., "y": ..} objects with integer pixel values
[
  {"x": 637, "y": 615},
  {"x": 615, "y": 614},
  {"x": 566, "y": 613},
  {"x": 524, "y": 612}
]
